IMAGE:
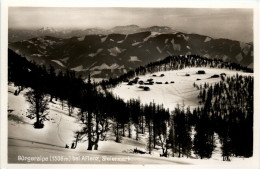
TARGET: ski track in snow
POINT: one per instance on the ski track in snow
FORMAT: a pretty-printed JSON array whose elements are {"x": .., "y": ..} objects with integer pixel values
[
  {"x": 32, "y": 142},
  {"x": 58, "y": 130}
]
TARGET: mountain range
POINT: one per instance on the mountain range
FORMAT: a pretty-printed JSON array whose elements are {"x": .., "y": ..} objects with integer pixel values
[
  {"x": 15, "y": 35},
  {"x": 110, "y": 53}
]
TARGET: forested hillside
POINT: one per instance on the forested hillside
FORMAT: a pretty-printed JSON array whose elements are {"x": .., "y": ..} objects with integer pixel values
[{"x": 226, "y": 108}]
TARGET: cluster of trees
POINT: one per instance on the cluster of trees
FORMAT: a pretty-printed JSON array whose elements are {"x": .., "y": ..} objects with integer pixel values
[
  {"x": 174, "y": 63},
  {"x": 46, "y": 84},
  {"x": 165, "y": 129},
  {"x": 42, "y": 81},
  {"x": 228, "y": 109}
]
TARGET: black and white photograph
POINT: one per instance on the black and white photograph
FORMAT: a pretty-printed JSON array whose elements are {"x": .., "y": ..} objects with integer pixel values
[{"x": 131, "y": 85}]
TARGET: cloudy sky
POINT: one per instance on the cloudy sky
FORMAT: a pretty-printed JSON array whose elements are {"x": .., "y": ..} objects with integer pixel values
[{"x": 234, "y": 24}]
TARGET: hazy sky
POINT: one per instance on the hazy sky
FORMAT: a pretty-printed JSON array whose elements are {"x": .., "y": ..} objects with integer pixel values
[{"x": 235, "y": 24}]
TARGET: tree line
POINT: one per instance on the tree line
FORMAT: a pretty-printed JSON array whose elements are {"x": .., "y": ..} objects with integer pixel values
[{"x": 176, "y": 62}]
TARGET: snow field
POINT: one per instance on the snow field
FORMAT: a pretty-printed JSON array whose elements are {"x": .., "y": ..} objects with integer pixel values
[{"x": 171, "y": 94}]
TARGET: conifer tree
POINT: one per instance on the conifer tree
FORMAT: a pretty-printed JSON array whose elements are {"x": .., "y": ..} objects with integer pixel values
[
  {"x": 38, "y": 106},
  {"x": 203, "y": 144}
]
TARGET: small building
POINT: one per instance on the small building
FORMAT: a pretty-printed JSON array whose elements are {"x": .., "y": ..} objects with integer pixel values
[
  {"x": 134, "y": 81},
  {"x": 215, "y": 76},
  {"x": 146, "y": 88},
  {"x": 201, "y": 72},
  {"x": 141, "y": 82},
  {"x": 129, "y": 83}
]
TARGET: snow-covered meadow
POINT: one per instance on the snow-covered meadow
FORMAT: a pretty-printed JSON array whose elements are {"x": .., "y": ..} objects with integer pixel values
[{"x": 171, "y": 94}]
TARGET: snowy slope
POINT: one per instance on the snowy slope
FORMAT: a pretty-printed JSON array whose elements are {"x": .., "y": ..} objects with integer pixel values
[
  {"x": 55, "y": 132},
  {"x": 23, "y": 139},
  {"x": 171, "y": 94}
]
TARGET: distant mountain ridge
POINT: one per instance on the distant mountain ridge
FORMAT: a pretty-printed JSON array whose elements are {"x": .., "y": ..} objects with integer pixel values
[
  {"x": 110, "y": 55},
  {"x": 15, "y": 35}
]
